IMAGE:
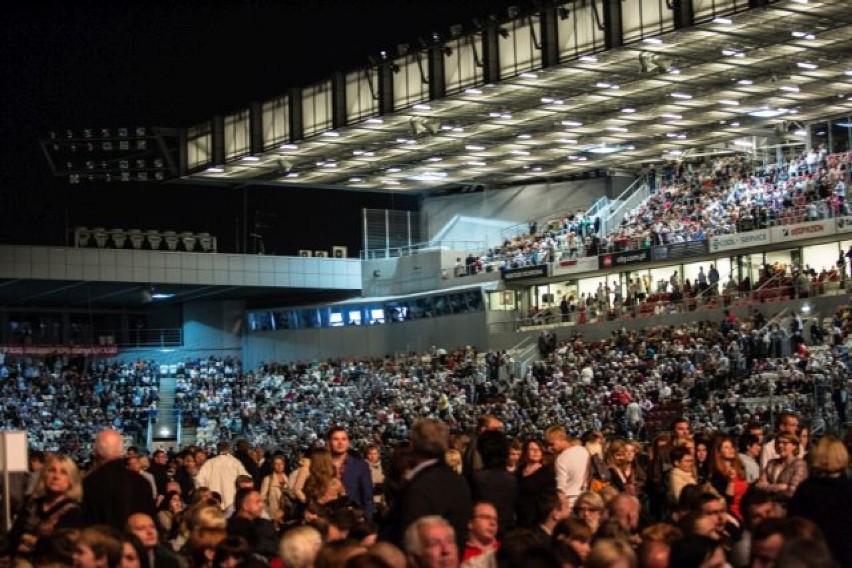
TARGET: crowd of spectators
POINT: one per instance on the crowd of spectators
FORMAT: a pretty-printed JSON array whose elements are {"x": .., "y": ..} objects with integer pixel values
[{"x": 713, "y": 197}]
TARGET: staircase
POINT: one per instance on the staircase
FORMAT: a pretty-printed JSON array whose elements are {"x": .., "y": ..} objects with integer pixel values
[{"x": 166, "y": 427}]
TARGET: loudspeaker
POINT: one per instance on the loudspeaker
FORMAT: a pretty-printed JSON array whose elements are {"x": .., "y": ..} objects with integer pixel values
[
  {"x": 304, "y": 253},
  {"x": 321, "y": 253},
  {"x": 339, "y": 252}
]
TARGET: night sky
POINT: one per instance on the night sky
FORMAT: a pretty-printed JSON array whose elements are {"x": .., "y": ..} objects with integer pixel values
[{"x": 97, "y": 64}]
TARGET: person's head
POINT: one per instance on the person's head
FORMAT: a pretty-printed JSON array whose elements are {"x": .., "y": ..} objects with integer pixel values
[
  {"x": 702, "y": 450},
  {"x": 557, "y": 439},
  {"x": 755, "y": 429},
  {"x": 515, "y": 452},
  {"x": 322, "y": 466},
  {"x": 829, "y": 457},
  {"x": 231, "y": 552},
  {"x": 788, "y": 423},
  {"x": 766, "y": 541},
  {"x": 430, "y": 542},
  {"x": 336, "y": 554},
  {"x": 60, "y": 476},
  {"x": 488, "y": 422},
  {"x": 160, "y": 457},
  {"x": 624, "y": 509},
  {"x": 617, "y": 453},
  {"x": 787, "y": 445},
  {"x": 749, "y": 445},
  {"x": 725, "y": 456},
  {"x": 589, "y": 508},
  {"x": 144, "y": 528},
  {"x": 550, "y": 508},
  {"x": 207, "y": 528},
  {"x": 109, "y": 445},
  {"x": 36, "y": 460},
  {"x": 533, "y": 451},
  {"x": 389, "y": 553},
  {"x": 299, "y": 546},
  {"x": 482, "y": 526},
  {"x": 696, "y": 551},
  {"x": 680, "y": 428},
  {"x": 453, "y": 459},
  {"x": 279, "y": 463},
  {"x": 715, "y": 509},
  {"x": 430, "y": 438},
  {"x": 576, "y": 533},
  {"x": 611, "y": 553},
  {"x": 372, "y": 454},
  {"x": 338, "y": 440},
  {"x": 172, "y": 503},
  {"x": 758, "y": 505},
  {"x": 248, "y": 503},
  {"x": 133, "y": 553},
  {"x": 682, "y": 458},
  {"x": 493, "y": 446},
  {"x": 98, "y": 546}
]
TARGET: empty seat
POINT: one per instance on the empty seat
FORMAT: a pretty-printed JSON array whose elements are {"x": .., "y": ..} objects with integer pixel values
[
  {"x": 205, "y": 241},
  {"x": 82, "y": 236},
  {"x": 155, "y": 239},
  {"x": 188, "y": 239},
  {"x": 171, "y": 239},
  {"x": 119, "y": 237},
  {"x": 137, "y": 238},
  {"x": 101, "y": 236}
]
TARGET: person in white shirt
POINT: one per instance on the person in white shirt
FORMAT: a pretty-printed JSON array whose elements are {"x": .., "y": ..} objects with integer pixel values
[
  {"x": 572, "y": 463},
  {"x": 788, "y": 423},
  {"x": 220, "y": 474}
]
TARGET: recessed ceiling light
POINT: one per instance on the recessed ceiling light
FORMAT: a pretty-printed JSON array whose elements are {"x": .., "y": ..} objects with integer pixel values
[
  {"x": 628, "y": 110},
  {"x": 355, "y": 180},
  {"x": 616, "y": 129},
  {"x": 807, "y": 65},
  {"x": 766, "y": 112},
  {"x": 789, "y": 88},
  {"x": 571, "y": 123},
  {"x": 655, "y": 40},
  {"x": 375, "y": 121},
  {"x": 422, "y": 107},
  {"x": 473, "y": 148},
  {"x": 567, "y": 140},
  {"x": 745, "y": 82},
  {"x": 603, "y": 85},
  {"x": 251, "y": 159},
  {"x": 603, "y": 149},
  {"x": 524, "y": 136},
  {"x": 681, "y": 96},
  {"x": 472, "y": 92},
  {"x": 672, "y": 116},
  {"x": 730, "y": 102},
  {"x": 331, "y": 133},
  {"x": 723, "y": 21},
  {"x": 520, "y": 152},
  {"x": 589, "y": 58},
  {"x": 289, "y": 147},
  {"x": 529, "y": 75}
]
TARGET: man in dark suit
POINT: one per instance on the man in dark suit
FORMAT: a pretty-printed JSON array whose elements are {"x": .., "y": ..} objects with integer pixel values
[
  {"x": 433, "y": 488},
  {"x": 111, "y": 492},
  {"x": 353, "y": 471}
]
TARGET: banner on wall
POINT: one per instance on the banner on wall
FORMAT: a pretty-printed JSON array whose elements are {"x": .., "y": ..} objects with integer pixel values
[
  {"x": 575, "y": 265},
  {"x": 822, "y": 228},
  {"x": 616, "y": 259},
  {"x": 843, "y": 224},
  {"x": 739, "y": 240},
  {"x": 679, "y": 250},
  {"x": 23, "y": 350},
  {"x": 525, "y": 272}
]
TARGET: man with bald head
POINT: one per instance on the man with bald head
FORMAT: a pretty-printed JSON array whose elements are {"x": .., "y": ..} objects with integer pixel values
[{"x": 111, "y": 492}]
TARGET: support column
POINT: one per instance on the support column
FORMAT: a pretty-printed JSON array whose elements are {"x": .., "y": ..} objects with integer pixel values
[
  {"x": 490, "y": 52},
  {"x": 613, "y": 28},
  {"x": 338, "y": 99},
  {"x": 549, "y": 37},
  {"x": 218, "y": 135},
  {"x": 684, "y": 14}
]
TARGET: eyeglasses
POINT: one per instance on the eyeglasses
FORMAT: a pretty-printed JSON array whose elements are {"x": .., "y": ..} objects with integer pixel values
[{"x": 586, "y": 510}]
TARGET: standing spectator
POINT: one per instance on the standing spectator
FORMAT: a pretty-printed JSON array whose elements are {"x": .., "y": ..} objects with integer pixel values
[
  {"x": 727, "y": 474},
  {"x": 534, "y": 476},
  {"x": 242, "y": 451},
  {"x": 274, "y": 488},
  {"x": 472, "y": 460},
  {"x": 352, "y": 471},
  {"x": 826, "y": 496},
  {"x": 493, "y": 483},
  {"x": 572, "y": 463},
  {"x": 220, "y": 473},
  {"x": 749, "y": 454},
  {"x": 430, "y": 543},
  {"x": 681, "y": 474},
  {"x": 782, "y": 475},
  {"x": 248, "y": 522},
  {"x": 432, "y": 487},
  {"x": 482, "y": 533},
  {"x": 788, "y": 423},
  {"x": 111, "y": 492}
]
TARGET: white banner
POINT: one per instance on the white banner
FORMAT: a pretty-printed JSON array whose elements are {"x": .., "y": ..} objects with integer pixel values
[
  {"x": 844, "y": 224},
  {"x": 739, "y": 240},
  {"x": 575, "y": 265},
  {"x": 822, "y": 228}
]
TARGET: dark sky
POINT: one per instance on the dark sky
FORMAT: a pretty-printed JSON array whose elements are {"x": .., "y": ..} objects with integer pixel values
[{"x": 176, "y": 63}]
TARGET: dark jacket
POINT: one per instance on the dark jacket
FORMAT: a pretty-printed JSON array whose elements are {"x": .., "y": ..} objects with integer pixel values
[
  {"x": 827, "y": 501},
  {"x": 499, "y": 487},
  {"x": 434, "y": 490},
  {"x": 111, "y": 493},
  {"x": 358, "y": 483}
]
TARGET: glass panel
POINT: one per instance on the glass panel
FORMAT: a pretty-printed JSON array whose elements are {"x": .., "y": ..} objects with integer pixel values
[
  {"x": 316, "y": 108},
  {"x": 275, "y": 115},
  {"x": 236, "y": 134},
  {"x": 199, "y": 142},
  {"x": 462, "y": 63},
  {"x": 841, "y": 131},
  {"x": 706, "y": 10},
  {"x": 645, "y": 18},
  {"x": 362, "y": 95},
  {"x": 519, "y": 45},
  {"x": 819, "y": 134},
  {"x": 579, "y": 32},
  {"x": 410, "y": 80}
]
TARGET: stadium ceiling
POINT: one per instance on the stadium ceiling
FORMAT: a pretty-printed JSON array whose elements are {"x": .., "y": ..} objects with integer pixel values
[{"x": 754, "y": 73}]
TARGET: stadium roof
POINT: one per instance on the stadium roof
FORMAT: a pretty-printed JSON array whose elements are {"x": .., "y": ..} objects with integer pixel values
[{"x": 763, "y": 72}]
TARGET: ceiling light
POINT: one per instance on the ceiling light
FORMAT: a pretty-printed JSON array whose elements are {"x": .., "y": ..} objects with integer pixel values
[
  {"x": 429, "y": 176},
  {"x": 603, "y": 85},
  {"x": 589, "y": 58},
  {"x": 848, "y": 72},
  {"x": 735, "y": 124},
  {"x": 732, "y": 53},
  {"x": 375, "y": 121},
  {"x": 567, "y": 140},
  {"x": 723, "y": 21},
  {"x": 807, "y": 65},
  {"x": 422, "y": 107},
  {"x": 355, "y": 180},
  {"x": 529, "y": 75},
  {"x": 655, "y": 40},
  {"x": 251, "y": 159},
  {"x": 520, "y": 152},
  {"x": 393, "y": 170},
  {"x": 331, "y": 133},
  {"x": 434, "y": 159},
  {"x": 473, "y": 148},
  {"x": 524, "y": 136},
  {"x": 745, "y": 82},
  {"x": 628, "y": 110},
  {"x": 603, "y": 149},
  {"x": 789, "y": 88},
  {"x": 473, "y": 92},
  {"x": 292, "y": 175},
  {"x": 475, "y": 163},
  {"x": 161, "y": 296},
  {"x": 215, "y": 170},
  {"x": 766, "y": 112},
  {"x": 744, "y": 143},
  {"x": 730, "y": 102},
  {"x": 571, "y": 123},
  {"x": 616, "y": 129},
  {"x": 289, "y": 147},
  {"x": 681, "y": 96},
  {"x": 672, "y": 116},
  {"x": 458, "y": 129},
  {"x": 391, "y": 182},
  {"x": 801, "y": 132},
  {"x": 547, "y": 100},
  {"x": 799, "y": 34}
]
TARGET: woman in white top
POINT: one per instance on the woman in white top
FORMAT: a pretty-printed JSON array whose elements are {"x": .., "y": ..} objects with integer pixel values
[{"x": 275, "y": 486}]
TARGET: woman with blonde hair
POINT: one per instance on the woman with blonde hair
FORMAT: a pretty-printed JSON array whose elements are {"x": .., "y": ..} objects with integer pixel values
[
  {"x": 624, "y": 473},
  {"x": 826, "y": 496},
  {"x": 206, "y": 527},
  {"x": 275, "y": 490},
  {"x": 611, "y": 553},
  {"x": 322, "y": 485},
  {"x": 453, "y": 459},
  {"x": 54, "y": 504},
  {"x": 589, "y": 508}
]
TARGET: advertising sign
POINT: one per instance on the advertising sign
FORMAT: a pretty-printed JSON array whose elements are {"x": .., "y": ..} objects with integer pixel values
[
  {"x": 844, "y": 224},
  {"x": 624, "y": 258},
  {"x": 822, "y": 228},
  {"x": 739, "y": 240},
  {"x": 575, "y": 265},
  {"x": 679, "y": 250},
  {"x": 525, "y": 272}
]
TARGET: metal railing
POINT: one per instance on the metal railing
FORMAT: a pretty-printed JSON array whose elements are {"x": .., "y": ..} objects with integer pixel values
[
  {"x": 144, "y": 337},
  {"x": 636, "y": 193},
  {"x": 408, "y": 250}
]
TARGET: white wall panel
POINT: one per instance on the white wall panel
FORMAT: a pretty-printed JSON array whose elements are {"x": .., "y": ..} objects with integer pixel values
[
  {"x": 236, "y": 134},
  {"x": 362, "y": 91},
  {"x": 520, "y": 48},
  {"x": 580, "y": 33},
  {"x": 410, "y": 80},
  {"x": 645, "y": 18},
  {"x": 316, "y": 108},
  {"x": 463, "y": 63},
  {"x": 275, "y": 115}
]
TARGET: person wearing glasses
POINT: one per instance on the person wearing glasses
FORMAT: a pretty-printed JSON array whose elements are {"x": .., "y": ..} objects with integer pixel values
[
  {"x": 784, "y": 474},
  {"x": 589, "y": 509},
  {"x": 482, "y": 531}
]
